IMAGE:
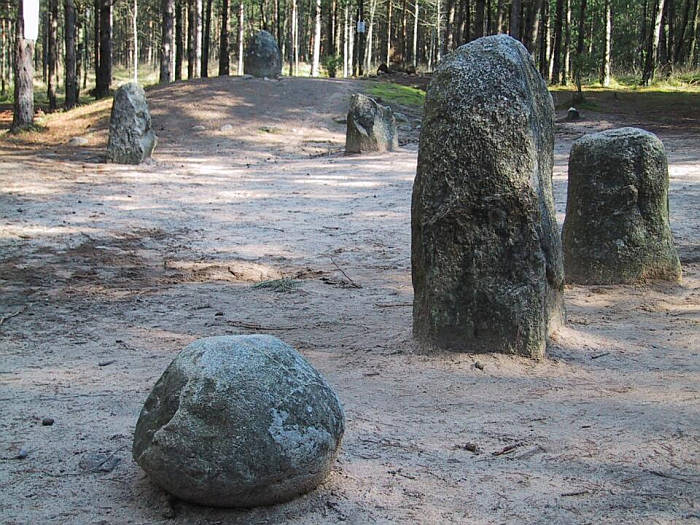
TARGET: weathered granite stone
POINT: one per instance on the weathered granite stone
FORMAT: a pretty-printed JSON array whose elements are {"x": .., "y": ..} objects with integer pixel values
[
  {"x": 262, "y": 56},
  {"x": 486, "y": 252},
  {"x": 131, "y": 137},
  {"x": 572, "y": 114},
  {"x": 370, "y": 126},
  {"x": 239, "y": 421},
  {"x": 617, "y": 227}
]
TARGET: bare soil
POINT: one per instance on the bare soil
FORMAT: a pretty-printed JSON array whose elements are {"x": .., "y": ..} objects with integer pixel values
[{"x": 111, "y": 270}]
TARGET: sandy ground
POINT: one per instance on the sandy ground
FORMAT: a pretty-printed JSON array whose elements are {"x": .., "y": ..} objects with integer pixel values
[{"x": 114, "y": 269}]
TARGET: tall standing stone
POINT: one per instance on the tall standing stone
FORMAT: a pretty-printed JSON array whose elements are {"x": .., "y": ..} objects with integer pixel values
[
  {"x": 370, "y": 126},
  {"x": 486, "y": 252},
  {"x": 617, "y": 226},
  {"x": 131, "y": 136},
  {"x": 262, "y": 56}
]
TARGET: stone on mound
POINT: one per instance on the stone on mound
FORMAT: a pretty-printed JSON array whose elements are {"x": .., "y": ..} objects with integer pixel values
[
  {"x": 262, "y": 56},
  {"x": 617, "y": 228},
  {"x": 239, "y": 421},
  {"x": 131, "y": 137},
  {"x": 370, "y": 126},
  {"x": 486, "y": 252}
]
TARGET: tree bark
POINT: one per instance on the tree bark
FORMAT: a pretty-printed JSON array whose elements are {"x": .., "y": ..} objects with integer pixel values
[
  {"x": 104, "y": 73},
  {"x": 693, "y": 44},
  {"x": 224, "y": 65},
  {"x": 531, "y": 24},
  {"x": 500, "y": 14},
  {"x": 653, "y": 46},
  {"x": 388, "y": 31},
  {"x": 134, "y": 15},
  {"x": 23, "y": 115},
  {"x": 52, "y": 53},
  {"x": 449, "y": 42},
  {"x": 607, "y": 43},
  {"x": 198, "y": 35},
  {"x": 191, "y": 39},
  {"x": 206, "y": 40},
  {"x": 166, "y": 44},
  {"x": 678, "y": 49},
  {"x": 414, "y": 52},
  {"x": 71, "y": 69},
  {"x": 566, "y": 60},
  {"x": 514, "y": 27}
]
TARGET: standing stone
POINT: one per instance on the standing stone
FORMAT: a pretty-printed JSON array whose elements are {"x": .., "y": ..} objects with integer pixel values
[
  {"x": 617, "y": 228},
  {"x": 486, "y": 251},
  {"x": 239, "y": 421},
  {"x": 262, "y": 56},
  {"x": 370, "y": 126},
  {"x": 131, "y": 137}
]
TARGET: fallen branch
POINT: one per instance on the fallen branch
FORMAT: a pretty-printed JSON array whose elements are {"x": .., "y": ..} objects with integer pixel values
[
  {"x": 596, "y": 356},
  {"x": 506, "y": 450},
  {"x": 667, "y": 476},
  {"x": 391, "y": 305},
  {"x": 255, "y": 326},
  {"x": 353, "y": 284},
  {"x": 3, "y": 319},
  {"x": 577, "y": 493}
]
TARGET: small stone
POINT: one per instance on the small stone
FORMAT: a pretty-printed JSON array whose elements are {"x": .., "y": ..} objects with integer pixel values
[
  {"x": 262, "y": 56},
  {"x": 239, "y": 421},
  {"x": 479, "y": 365},
  {"x": 370, "y": 126},
  {"x": 47, "y": 421},
  {"x": 226, "y": 127},
  {"x": 572, "y": 114},
  {"x": 131, "y": 136},
  {"x": 400, "y": 117},
  {"x": 78, "y": 141},
  {"x": 23, "y": 453},
  {"x": 199, "y": 127}
]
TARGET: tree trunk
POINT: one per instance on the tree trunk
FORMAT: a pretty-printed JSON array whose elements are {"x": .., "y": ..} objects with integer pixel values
[
  {"x": 370, "y": 35},
  {"x": 191, "y": 39},
  {"x": 514, "y": 27},
  {"x": 23, "y": 115},
  {"x": 104, "y": 74},
  {"x": 224, "y": 65},
  {"x": 241, "y": 21},
  {"x": 500, "y": 15},
  {"x": 415, "y": 35},
  {"x": 388, "y": 32},
  {"x": 52, "y": 53},
  {"x": 3, "y": 56},
  {"x": 135, "y": 29},
  {"x": 198, "y": 35},
  {"x": 531, "y": 24},
  {"x": 70, "y": 61},
  {"x": 653, "y": 46},
  {"x": 678, "y": 48},
  {"x": 166, "y": 44},
  {"x": 179, "y": 40},
  {"x": 558, "y": 40},
  {"x": 206, "y": 40},
  {"x": 605, "y": 68},
  {"x": 693, "y": 44},
  {"x": 579, "y": 50},
  {"x": 316, "y": 64},
  {"x": 96, "y": 38},
  {"x": 346, "y": 38},
  {"x": 566, "y": 61},
  {"x": 438, "y": 24},
  {"x": 543, "y": 38},
  {"x": 449, "y": 42},
  {"x": 479, "y": 19}
]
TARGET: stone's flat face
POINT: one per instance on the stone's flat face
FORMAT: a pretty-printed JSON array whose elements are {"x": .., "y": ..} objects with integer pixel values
[
  {"x": 370, "y": 126},
  {"x": 486, "y": 251},
  {"x": 617, "y": 219},
  {"x": 239, "y": 421},
  {"x": 262, "y": 56},
  {"x": 131, "y": 137}
]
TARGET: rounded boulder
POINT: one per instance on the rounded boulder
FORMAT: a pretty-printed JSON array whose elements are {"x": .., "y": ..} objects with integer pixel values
[
  {"x": 239, "y": 421},
  {"x": 262, "y": 56}
]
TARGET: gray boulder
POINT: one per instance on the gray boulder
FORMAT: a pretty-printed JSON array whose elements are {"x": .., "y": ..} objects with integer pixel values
[
  {"x": 239, "y": 421},
  {"x": 370, "y": 126},
  {"x": 131, "y": 137},
  {"x": 617, "y": 228},
  {"x": 262, "y": 56},
  {"x": 486, "y": 252}
]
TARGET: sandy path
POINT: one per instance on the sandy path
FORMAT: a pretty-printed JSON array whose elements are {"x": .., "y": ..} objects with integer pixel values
[{"x": 129, "y": 264}]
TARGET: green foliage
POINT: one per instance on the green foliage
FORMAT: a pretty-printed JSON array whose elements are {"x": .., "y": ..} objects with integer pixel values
[
  {"x": 332, "y": 65},
  {"x": 390, "y": 92}
]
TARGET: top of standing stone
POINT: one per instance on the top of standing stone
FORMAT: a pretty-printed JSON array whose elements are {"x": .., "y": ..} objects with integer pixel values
[
  {"x": 617, "y": 135},
  {"x": 262, "y": 56}
]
